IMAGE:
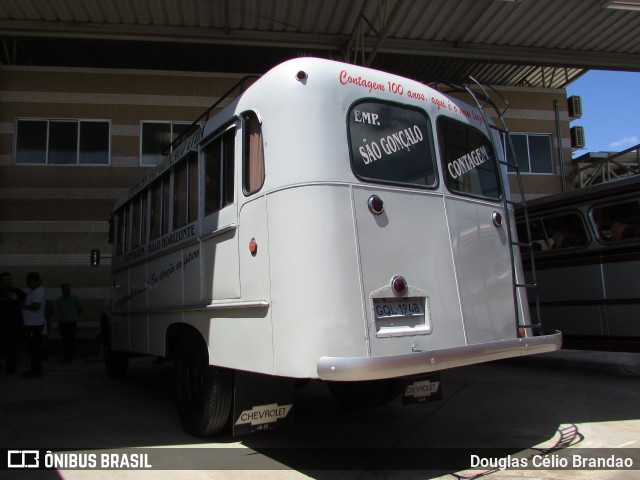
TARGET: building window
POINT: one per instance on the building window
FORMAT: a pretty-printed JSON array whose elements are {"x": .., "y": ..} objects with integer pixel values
[
  {"x": 62, "y": 142},
  {"x": 155, "y": 139},
  {"x": 532, "y": 152}
]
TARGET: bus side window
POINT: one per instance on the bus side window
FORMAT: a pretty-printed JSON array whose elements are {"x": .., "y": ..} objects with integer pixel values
[
  {"x": 219, "y": 176},
  {"x": 565, "y": 231},
  {"x": 137, "y": 221},
  {"x": 121, "y": 230},
  {"x": 193, "y": 188},
  {"x": 155, "y": 210},
  {"x": 253, "y": 168},
  {"x": 619, "y": 222},
  {"x": 180, "y": 195}
]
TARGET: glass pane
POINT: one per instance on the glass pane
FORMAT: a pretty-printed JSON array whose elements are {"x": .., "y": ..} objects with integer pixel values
[
  {"x": 156, "y": 210},
  {"x": 155, "y": 138},
  {"x": 180, "y": 195},
  {"x": 391, "y": 144},
  {"x": 565, "y": 231},
  {"x": 136, "y": 219},
  {"x": 228, "y": 139},
  {"x": 213, "y": 177},
  {"x": 31, "y": 142},
  {"x": 63, "y": 143},
  {"x": 121, "y": 221},
  {"x": 253, "y": 155},
  {"x": 540, "y": 154},
  {"x": 619, "y": 222},
  {"x": 166, "y": 180},
  {"x": 94, "y": 143},
  {"x": 469, "y": 161},
  {"x": 521, "y": 151},
  {"x": 193, "y": 187}
]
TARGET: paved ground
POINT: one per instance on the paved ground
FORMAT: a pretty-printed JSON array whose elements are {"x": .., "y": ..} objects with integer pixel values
[{"x": 569, "y": 400}]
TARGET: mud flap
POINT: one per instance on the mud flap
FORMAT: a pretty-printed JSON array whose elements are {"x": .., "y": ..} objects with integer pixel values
[
  {"x": 261, "y": 402},
  {"x": 423, "y": 389}
]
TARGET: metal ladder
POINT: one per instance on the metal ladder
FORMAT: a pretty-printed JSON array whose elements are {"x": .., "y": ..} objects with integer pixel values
[{"x": 482, "y": 100}]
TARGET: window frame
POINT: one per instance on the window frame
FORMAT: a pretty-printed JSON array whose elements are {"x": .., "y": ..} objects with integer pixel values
[
  {"x": 79, "y": 122},
  {"x": 444, "y": 165},
  {"x": 172, "y": 124},
  {"x": 506, "y": 143},
  {"x": 430, "y": 138}
]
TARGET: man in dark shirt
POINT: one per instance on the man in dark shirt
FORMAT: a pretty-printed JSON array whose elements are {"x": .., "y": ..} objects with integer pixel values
[{"x": 11, "y": 300}]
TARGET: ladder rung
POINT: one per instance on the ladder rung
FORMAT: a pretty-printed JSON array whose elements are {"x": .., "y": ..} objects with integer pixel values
[
  {"x": 522, "y": 244},
  {"x": 509, "y": 164},
  {"x": 526, "y": 285},
  {"x": 530, "y": 326},
  {"x": 513, "y": 202}
]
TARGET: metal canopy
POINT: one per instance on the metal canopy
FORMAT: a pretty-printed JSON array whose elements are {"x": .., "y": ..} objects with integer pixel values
[{"x": 538, "y": 43}]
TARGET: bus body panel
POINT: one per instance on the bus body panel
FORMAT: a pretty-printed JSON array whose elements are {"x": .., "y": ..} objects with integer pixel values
[
  {"x": 408, "y": 240},
  {"x": 315, "y": 285},
  {"x": 483, "y": 270}
]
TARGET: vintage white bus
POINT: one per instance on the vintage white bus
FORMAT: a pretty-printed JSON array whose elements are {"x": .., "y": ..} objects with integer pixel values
[
  {"x": 330, "y": 222},
  {"x": 587, "y": 257}
]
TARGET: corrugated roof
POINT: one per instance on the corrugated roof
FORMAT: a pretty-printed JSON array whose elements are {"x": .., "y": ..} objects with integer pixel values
[{"x": 541, "y": 43}]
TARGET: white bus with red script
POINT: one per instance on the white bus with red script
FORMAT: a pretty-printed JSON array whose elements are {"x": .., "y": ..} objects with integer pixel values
[{"x": 331, "y": 222}]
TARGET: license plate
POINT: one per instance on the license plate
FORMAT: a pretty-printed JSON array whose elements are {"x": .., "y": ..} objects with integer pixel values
[{"x": 387, "y": 309}]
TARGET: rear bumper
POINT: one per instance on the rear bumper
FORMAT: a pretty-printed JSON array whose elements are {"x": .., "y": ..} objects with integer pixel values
[{"x": 372, "y": 368}]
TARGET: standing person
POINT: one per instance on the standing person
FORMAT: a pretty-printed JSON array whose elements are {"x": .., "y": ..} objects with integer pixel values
[
  {"x": 34, "y": 321},
  {"x": 11, "y": 300},
  {"x": 68, "y": 310}
]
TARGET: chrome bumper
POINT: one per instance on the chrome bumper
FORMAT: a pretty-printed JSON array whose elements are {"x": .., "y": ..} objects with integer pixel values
[{"x": 373, "y": 368}]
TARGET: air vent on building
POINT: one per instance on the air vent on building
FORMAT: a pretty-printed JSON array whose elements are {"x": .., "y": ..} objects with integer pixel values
[
  {"x": 577, "y": 137},
  {"x": 575, "y": 106}
]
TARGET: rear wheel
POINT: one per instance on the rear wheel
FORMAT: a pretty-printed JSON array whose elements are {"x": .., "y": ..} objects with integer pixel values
[
  {"x": 116, "y": 363},
  {"x": 203, "y": 393}
]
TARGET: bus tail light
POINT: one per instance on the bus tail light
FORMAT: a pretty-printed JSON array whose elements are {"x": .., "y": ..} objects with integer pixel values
[
  {"x": 399, "y": 286},
  {"x": 376, "y": 205},
  {"x": 301, "y": 76},
  {"x": 253, "y": 247}
]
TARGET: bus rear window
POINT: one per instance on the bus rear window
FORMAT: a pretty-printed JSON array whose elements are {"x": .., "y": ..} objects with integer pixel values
[
  {"x": 468, "y": 160},
  {"x": 391, "y": 144}
]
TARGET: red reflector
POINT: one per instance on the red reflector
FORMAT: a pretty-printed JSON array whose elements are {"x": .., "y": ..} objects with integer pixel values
[
  {"x": 301, "y": 75},
  {"x": 523, "y": 332},
  {"x": 376, "y": 205},
  {"x": 399, "y": 285},
  {"x": 253, "y": 247}
]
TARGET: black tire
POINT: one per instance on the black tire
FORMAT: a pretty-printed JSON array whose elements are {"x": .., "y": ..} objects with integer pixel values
[
  {"x": 116, "y": 363},
  {"x": 204, "y": 393},
  {"x": 363, "y": 394}
]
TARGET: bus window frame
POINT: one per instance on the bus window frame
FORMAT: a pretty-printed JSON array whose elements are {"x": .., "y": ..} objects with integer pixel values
[
  {"x": 496, "y": 164},
  {"x": 595, "y": 226},
  {"x": 245, "y": 152},
  {"x": 548, "y": 238},
  {"x": 231, "y": 126},
  {"x": 431, "y": 145}
]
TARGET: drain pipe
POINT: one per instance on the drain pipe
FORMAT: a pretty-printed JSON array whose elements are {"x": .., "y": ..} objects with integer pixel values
[{"x": 560, "y": 149}]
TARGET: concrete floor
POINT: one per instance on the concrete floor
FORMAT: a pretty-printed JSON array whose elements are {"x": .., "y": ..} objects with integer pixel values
[{"x": 567, "y": 400}]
